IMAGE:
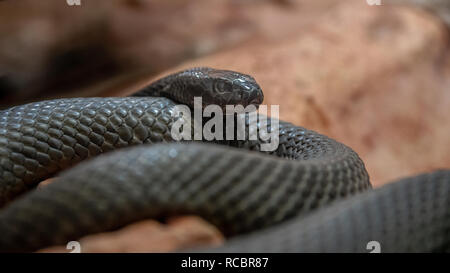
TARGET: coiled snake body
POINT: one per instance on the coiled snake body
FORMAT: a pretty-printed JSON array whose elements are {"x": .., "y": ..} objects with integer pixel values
[{"x": 312, "y": 194}]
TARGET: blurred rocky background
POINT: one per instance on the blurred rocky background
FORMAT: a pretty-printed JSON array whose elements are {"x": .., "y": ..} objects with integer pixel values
[{"x": 375, "y": 77}]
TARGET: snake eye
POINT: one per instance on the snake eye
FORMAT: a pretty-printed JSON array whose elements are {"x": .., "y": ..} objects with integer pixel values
[{"x": 221, "y": 87}]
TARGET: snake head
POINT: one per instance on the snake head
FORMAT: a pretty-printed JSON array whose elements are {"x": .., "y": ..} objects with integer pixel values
[
  {"x": 214, "y": 86},
  {"x": 235, "y": 88},
  {"x": 221, "y": 87}
]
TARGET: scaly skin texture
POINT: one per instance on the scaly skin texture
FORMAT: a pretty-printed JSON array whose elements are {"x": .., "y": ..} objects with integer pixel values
[
  {"x": 411, "y": 215},
  {"x": 231, "y": 185},
  {"x": 37, "y": 140}
]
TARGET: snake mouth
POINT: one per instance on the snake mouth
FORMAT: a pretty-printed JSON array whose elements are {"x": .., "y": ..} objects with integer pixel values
[{"x": 257, "y": 100}]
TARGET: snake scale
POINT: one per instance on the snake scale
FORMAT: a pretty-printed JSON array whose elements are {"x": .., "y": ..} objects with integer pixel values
[{"x": 311, "y": 194}]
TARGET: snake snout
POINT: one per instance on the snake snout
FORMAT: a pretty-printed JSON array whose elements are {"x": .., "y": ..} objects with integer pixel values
[
  {"x": 249, "y": 90},
  {"x": 237, "y": 89}
]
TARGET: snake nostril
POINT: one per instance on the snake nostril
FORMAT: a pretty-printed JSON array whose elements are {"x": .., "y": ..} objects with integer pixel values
[{"x": 255, "y": 102}]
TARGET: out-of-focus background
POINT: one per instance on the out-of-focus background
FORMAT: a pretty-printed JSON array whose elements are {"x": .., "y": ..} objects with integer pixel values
[{"x": 375, "y": 77}]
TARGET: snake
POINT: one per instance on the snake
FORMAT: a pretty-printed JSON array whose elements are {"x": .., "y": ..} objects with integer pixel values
[{"x": 116, "y": 162}]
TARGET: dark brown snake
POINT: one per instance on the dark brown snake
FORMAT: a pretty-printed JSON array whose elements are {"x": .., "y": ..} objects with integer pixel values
[{"x": 312, "y": 194}]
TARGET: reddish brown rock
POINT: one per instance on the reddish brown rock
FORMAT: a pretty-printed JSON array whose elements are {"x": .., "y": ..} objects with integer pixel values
[{"x": 150, "y": 236}]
